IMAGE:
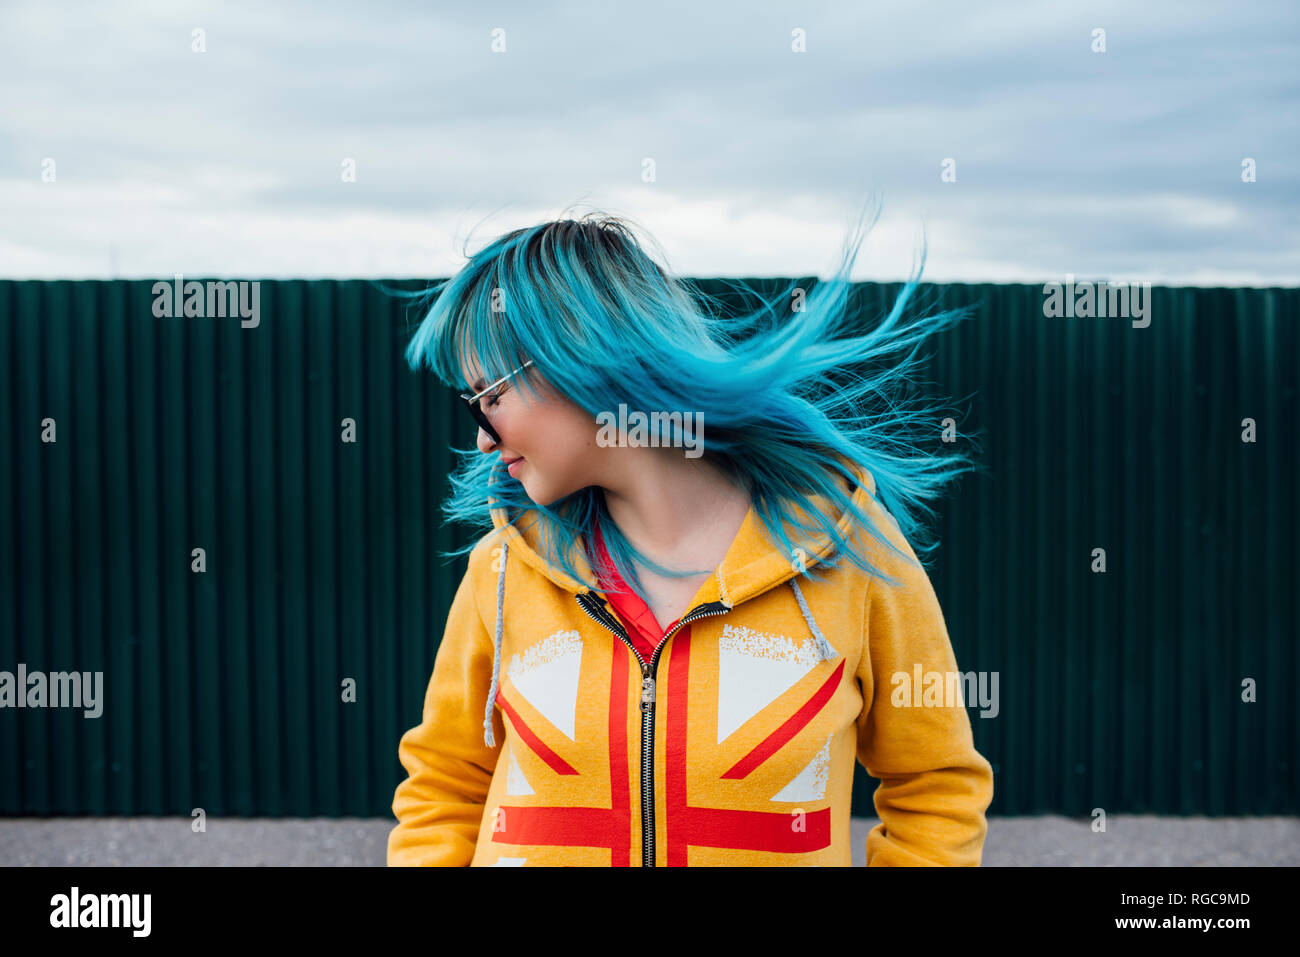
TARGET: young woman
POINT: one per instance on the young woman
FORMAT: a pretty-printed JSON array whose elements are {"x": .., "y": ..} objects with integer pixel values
[{"x": 698, "y": 602}]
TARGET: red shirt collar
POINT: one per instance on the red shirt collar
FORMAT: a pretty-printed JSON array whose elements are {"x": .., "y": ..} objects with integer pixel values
[{"x": 629, "y": 606}]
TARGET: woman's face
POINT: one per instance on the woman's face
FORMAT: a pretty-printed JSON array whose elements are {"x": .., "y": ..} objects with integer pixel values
[{"x": 554, "y": 439}]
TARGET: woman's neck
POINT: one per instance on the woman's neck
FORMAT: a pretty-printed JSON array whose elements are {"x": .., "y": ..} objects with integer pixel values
[{"x": 667, "y": 505}]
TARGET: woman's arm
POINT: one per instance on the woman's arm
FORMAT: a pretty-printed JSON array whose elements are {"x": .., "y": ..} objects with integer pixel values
[
  {"x": 934, "y": 786},
  {"x": 440, "y": 805}
]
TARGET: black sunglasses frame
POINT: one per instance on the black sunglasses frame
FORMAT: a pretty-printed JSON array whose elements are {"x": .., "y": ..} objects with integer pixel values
[
  {"x": 472, "y": 402},
  {"x": 480, "y": 417}
]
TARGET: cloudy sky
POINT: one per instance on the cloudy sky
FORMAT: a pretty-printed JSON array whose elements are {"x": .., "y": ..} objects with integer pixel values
[{"x": 215, "y": 139}]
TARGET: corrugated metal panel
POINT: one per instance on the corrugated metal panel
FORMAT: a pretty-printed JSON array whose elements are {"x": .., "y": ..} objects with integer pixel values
[{"x": 1119, "y": 690}]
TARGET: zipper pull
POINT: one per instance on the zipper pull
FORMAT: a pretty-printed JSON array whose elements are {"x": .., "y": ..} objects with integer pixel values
[{"x": 647, "y": 692}]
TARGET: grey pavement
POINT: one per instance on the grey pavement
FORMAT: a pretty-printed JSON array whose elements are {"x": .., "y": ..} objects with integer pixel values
[{"x": 1145, "y": 841}]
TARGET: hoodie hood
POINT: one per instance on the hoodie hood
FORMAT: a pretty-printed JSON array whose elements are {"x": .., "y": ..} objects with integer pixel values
[{"x": 752, "y": 566}]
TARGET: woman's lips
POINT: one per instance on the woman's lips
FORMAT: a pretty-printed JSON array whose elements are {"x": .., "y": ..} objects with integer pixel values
[{"x": 513, "y": 465}]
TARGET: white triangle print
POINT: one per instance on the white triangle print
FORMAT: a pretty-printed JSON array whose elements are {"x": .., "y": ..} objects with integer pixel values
[
  {"x": 516, "y": 783},
  {"x": 810, "y": 783},
  {"x": 754, "y": 669},
  {"x": 509, "y": 862},
  {"x": 547, "y": 675}
]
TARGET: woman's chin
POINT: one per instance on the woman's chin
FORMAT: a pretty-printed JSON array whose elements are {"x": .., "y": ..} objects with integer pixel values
[
  {"x": 540, "y": 491},
  {"x": 524, "y": 483}
]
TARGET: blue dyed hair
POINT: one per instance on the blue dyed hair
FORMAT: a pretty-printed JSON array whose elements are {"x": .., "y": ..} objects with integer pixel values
[{"x": 782, "y": 391}]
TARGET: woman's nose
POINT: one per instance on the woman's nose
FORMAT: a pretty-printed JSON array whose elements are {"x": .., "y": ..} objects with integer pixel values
[{"x": 485, "y": 443}]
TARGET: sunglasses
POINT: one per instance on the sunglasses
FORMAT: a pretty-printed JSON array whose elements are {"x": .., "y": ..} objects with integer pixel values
[{"x": 472, "y": 403}]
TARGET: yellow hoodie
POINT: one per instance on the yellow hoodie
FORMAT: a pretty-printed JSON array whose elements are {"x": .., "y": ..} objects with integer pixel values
[{"x": 546, "y": 740}]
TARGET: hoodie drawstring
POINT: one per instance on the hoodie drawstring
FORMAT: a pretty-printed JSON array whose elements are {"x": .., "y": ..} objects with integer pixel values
[
  {"x": 488, "y": 737},
  {"x": 823, "y": 646}
]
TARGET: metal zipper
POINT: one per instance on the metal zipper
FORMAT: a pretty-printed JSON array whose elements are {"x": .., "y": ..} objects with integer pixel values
[{"x": 594, "y": 607}]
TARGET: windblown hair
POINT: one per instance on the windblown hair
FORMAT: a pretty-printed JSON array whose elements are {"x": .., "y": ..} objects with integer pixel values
[{"x": 780, "y": 390}]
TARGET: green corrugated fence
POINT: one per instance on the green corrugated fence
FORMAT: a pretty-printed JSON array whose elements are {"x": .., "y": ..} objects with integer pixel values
[{"x": 1121, "y": 690}]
